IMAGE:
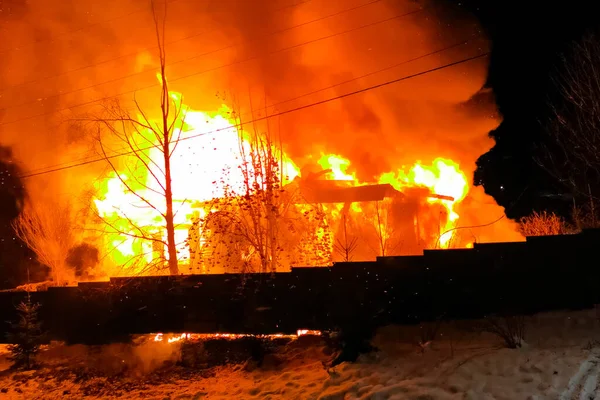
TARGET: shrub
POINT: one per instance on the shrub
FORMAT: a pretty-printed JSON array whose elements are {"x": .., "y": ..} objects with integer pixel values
[
  {"x": 26, "y": 336},
  {"x": 543, "y": 224},
  {"x": 511, "y": 329},
  {"x": 349, "y": 342}
]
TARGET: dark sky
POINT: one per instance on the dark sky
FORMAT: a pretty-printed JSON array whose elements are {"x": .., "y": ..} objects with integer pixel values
[
  {"x": 14, "y": 256},
  {"x": 527, "y": 39}
]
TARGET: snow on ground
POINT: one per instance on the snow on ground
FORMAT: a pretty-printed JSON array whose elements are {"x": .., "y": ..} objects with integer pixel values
[{"x": 560, "y": 360}]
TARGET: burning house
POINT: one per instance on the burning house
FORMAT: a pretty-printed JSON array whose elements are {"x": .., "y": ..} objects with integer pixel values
[
  {"x": 395, "y": 229},
  {"x": 401, "y": 209},
  {"x": 237, "y": 199},
  {"x": 262, "y": 213}
]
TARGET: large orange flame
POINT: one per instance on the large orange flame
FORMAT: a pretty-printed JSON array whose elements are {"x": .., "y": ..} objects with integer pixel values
[
  {"x": 444, "y": 178},
  {"x": 207, "y": 164}
]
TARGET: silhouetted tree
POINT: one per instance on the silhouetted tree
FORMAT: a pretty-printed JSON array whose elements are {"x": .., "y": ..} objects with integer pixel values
[
  {"x": 347, "y": 244},
  {"x": 140, "y": 136},
  {"x": 26, "y": 335},
  {"x": 262, "y": 226},
  {"x": 379, "y": 216},
  {"x": 573, "y": 155},
  {"x": 14, "y": 255},
  {"x": 46, "y": 227}
]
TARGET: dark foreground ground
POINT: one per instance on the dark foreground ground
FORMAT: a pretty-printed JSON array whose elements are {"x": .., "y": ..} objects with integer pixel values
[{"x": 558, "y": 361}]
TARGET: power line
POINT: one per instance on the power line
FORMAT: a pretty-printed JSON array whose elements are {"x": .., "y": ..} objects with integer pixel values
[
  {"x": 231, "y": 46},
  {"x": 369, "y": 74},
  {"x": 83, "y": 28},
  {"x": 280, "y": 31},
  {"x": 200, "y": 72},
  {"x": 124, "y": 56},
  {"x": 83, "y": 159},
  {"x": 86, "y": 27},
  {"x": 269, "y": 116}
]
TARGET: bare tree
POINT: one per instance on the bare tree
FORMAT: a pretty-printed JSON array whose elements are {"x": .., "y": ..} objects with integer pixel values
[
  {"x": 573, "y": 154},
  {"x": 347, "y": 244},
  {"x": 382, "y": 229},
  {"x": 143, "y": 137},
  {"x": 46, "y": 227},
  {"x": 261, "y": 226},
  {"x": 252, "y": 217},
  {"x": 387, "y": 241}
]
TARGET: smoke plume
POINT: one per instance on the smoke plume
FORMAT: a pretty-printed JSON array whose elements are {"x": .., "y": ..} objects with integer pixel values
[{"x": 273, "y": 56}]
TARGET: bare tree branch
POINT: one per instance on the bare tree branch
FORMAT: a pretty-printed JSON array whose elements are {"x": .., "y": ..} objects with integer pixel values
[
  {"x": 141, "y": 136},
  {"x": 573, "y": 155},
  {"x": 127, "y": 186},
  {"x": 47, "y": 229}
]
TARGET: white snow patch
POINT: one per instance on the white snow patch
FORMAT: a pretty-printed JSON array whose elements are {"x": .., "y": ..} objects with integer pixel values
[{"x": 561, "y": 361}]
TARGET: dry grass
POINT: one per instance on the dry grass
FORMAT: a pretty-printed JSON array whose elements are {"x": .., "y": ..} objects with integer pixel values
[
  {"x": 543, "y": 224},
  {"x": 48, "y": 229},
  {"x": 511, "y": 329}
]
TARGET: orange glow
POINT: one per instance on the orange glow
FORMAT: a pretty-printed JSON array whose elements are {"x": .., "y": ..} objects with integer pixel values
[
  {"x": 207, "y": 164},
  {"x": 444, "y": 178},
  {"x": 367, "y": 153},
  {"x": 308, "y": 332},
  {"x": 210, "y": 170},
  {"x": 174, "y": 338},
  {"x": 338, "y": 166}
]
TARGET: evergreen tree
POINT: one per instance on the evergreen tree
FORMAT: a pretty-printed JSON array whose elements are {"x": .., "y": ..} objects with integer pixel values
[{"x": 26, "y": 335}]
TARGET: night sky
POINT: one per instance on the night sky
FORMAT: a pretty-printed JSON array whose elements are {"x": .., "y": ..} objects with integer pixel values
[
  {"x": 15, "y": 258},
  {"x": 526, "y": 43}
]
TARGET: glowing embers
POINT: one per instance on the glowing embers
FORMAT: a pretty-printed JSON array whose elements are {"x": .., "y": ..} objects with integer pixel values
[{"x": 173, "y": 338}]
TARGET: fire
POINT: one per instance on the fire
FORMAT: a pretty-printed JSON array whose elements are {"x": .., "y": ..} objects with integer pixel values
[
  {"x": 444, "y": 178},
  {"x": 338, "y": 166},
  {"x": 212, "y": 161},
  {"x": 174, "y": 338},
  {"x": 206, "y": 164}
]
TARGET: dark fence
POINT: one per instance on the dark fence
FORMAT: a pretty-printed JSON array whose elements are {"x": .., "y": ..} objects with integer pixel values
[{"x": 542, "y": 274}]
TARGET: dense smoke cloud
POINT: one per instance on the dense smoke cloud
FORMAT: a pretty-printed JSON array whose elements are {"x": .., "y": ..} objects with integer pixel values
[
  {"x": 420, "y": 118},
  {"x": 64, "y": 55},
  {"x": 43, "y": 68}
]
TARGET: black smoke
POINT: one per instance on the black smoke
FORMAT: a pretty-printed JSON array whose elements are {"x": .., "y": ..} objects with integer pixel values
[{"x": 16, "y": 260}]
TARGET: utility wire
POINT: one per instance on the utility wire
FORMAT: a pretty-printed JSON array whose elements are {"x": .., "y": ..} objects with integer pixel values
[
  {"x": 465, "y": 60},
  {"x": 195, "y": 56},
  {"x": 265, "y": 109},
  {"x": 204, "y": 71},
  {"x": 506, "y": 210},
  {"x": 315, "y": 91},
  {"x": 138, "y": 52},
  {"x": 83, "y": 28},
  {"x": 458, "y": 44},
  {"x": 52, "y": 39},
  {"x": 280, "y": 31}
]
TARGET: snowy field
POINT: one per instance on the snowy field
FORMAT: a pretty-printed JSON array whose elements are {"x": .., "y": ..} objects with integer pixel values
[{"x": 560, "y": 360}]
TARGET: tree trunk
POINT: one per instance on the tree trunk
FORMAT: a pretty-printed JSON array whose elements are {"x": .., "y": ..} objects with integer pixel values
[{"x": 171, "y": 248}]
